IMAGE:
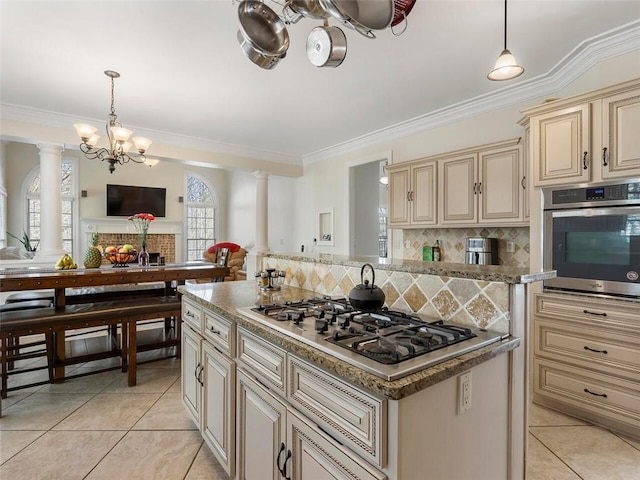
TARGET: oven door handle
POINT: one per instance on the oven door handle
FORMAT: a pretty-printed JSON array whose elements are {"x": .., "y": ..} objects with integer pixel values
[{"x": 595, "y": 211}]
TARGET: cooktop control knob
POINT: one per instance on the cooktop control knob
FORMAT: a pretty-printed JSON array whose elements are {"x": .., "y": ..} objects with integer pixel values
[{"x": 322, "y": 325}]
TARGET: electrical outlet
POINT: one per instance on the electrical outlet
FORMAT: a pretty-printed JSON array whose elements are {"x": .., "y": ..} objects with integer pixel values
[
  {"x": 511, "y": 246},
  {"x": 464, "y": 393},
  {"x": 407, "y": 244}
]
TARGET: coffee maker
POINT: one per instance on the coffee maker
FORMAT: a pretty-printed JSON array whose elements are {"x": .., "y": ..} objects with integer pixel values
[{"x": 482, "y": 251}]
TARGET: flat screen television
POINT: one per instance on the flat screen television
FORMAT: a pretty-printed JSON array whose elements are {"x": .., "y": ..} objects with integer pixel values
[{"x": 127, "y": 200}]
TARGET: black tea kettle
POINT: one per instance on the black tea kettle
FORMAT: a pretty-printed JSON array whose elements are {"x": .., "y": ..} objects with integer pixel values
[{"x": 364, "y": 296}]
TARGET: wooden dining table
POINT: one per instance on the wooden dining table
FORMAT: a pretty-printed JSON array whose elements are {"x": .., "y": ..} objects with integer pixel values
[{"x": 70, "y": 286}]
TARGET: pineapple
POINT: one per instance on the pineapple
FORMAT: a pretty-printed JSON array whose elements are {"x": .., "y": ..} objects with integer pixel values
[{"x": 93, "y": 257}]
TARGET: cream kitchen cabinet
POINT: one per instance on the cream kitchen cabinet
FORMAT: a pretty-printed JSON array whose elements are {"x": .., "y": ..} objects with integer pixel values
[
  {"x": 208, "y": 380},
  {"x": 412, "y": 194},
  {"x": 482, "y": 186},
  {"x": 587, "y": 358},
  {"x": 587, "y": 138}
]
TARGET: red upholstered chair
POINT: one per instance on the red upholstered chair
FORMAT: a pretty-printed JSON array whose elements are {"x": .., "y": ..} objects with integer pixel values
[{"x": 234, "y": 259}]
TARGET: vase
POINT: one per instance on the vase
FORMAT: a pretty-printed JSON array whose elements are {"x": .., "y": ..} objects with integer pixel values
[{"x": 143, "y": 257}]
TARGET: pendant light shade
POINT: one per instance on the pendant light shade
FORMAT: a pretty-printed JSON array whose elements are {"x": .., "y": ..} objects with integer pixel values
[{"x": 506, "y": 66}]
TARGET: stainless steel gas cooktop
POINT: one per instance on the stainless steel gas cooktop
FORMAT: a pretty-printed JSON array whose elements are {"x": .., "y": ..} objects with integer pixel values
[{"x": 389, "y": 344}]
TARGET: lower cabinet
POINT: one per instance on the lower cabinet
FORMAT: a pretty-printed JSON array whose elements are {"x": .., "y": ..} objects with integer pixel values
[
  {"x": 275, "y": 442},
  {"x": 208, "y": 394}
]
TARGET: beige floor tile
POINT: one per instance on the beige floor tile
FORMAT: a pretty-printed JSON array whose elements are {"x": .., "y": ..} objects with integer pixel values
[
  {"x": 108, "y": 411},
  {"x": 41, "y": 411},
  {"x": 176, "y": 387},
  {"x": 11, "y": 442},
  {"x": 592, "y": 452},
  {"x": 206, "y": 467},
  {"x": 94, "y": 383},
  {"x": 14, "y": 397},
  {"x": 171, "y": 362},
  {"x": 168, "y": 413},
  {"x": 149, "y": 380},
  {"x": 149, "y": 455},
  {"x": 60, "y": 455},
  {"x": 542, "y": 464},
  {"x": 545, "y": 417},
  {"x": 634, "y": 442}
]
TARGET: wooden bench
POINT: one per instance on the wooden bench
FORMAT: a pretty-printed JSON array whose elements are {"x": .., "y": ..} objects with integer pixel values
[{"x": 54, "y": 322}]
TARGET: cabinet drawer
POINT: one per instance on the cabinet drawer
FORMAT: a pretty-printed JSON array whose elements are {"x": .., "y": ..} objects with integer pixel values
[
  {"x": 591, "y": 348},
  {"x": 354, "y": 417},
  {"x": 617, "y": 314},
  {"x": 192, "y": 314},
  {"x": 592, "y": 393},
  {"x": 219, "y": 331},
  {"x": 267, "y": 362}
]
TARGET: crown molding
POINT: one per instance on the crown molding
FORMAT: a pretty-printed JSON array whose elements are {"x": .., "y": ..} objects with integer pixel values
[
  {"x": 61, "y": 120},
  {"x": 612, "y": 43}
]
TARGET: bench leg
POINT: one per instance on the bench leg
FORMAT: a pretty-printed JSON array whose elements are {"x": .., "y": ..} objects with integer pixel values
[
  {"x": 132, "y": 352},
  {"x": 50, "y": 348},
  {"x": 4, "y": 351},
  {"x": 59, "y": 355},
  {"x": 13, "y": 349},
  {"x": 124, "y": 345}
]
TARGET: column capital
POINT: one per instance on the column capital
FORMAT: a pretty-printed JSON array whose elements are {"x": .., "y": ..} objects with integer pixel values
[
  {"x": 50, "y": 148},
  {"x": 259, "y": 174}
]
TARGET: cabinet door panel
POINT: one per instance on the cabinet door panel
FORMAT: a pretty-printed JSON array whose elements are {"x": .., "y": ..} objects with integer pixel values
[
  {"x": 456, "y": 185},
  {"x": 398, "y": 200},
  {"x": 423, "y": 204},
  {"x": 261, "y": 430},
  {"x": 620, "y": 127},
  {"x": 218, "y": 412},
  {"x": 499, "y": 187},
  {"x": 560, "y": 140},
  {"x": 524, "y": 181},
  {"x": 191, "y": 392}
]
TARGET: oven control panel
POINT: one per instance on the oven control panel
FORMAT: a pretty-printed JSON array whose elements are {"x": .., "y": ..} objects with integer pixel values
[{"x": 604, "y": 193}]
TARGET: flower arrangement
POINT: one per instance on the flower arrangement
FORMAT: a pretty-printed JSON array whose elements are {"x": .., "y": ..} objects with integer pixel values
[{"x": 141, "y": 221}]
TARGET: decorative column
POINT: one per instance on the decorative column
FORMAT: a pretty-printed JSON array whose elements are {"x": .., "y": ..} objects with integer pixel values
[
  {"x": 262, "y": 218},
  {"x": 50, "y": 201}
]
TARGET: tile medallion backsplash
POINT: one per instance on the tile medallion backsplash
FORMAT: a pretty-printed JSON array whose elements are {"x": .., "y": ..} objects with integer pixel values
[
  {"x": 467, "y": 302},
  {"x": 452, "y": 243}
]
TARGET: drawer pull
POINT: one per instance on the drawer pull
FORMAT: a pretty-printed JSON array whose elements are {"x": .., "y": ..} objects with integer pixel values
[
  {"x": 189, "y": 314},
  {"x": 594, "y": 313},
  {"x": 217, "y": 332},
  {"x": 594, "y": 350},
  {"x": 604, "y": 395}
]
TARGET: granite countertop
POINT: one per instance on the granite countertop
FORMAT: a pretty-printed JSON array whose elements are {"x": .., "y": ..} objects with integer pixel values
[
  {"x": 488, "y": 273},
  {"x": 225, "y": 298}
]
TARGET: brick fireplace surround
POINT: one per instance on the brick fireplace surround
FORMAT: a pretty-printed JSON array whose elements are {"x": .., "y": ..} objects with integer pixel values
[{"x": 164, "y": 237}]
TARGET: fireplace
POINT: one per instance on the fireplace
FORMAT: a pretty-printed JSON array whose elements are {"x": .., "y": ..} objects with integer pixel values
[{"x": 164, "y": 237}]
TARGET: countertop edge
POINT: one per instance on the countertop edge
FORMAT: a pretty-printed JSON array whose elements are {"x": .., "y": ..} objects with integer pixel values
[{"x": 393, "y": 390}]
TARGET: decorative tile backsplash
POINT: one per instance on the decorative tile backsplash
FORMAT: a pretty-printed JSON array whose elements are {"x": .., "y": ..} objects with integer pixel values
[
  {"x": 452, "y": 243},
  {"x": 467, "y": 302}
]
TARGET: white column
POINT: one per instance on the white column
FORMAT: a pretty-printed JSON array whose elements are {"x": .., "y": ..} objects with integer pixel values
[
  {"x": 50, "y": 201},
  {"x": 262, "y": 218}
]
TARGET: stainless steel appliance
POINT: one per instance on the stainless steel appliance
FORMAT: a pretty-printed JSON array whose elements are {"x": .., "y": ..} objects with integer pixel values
[
  {"x": 389, "y": 344},
  {"x": 592, "y": 237},
  {"x": 482, "y": 251}
]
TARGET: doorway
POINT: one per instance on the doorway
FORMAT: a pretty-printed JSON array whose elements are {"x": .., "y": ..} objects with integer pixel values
[{"x": 368, "y": 206}]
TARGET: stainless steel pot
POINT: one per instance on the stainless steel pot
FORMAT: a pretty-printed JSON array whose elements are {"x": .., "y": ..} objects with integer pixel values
[
  {"x": 263, "y": 29},
  {"x": 263, "y": 61},
  {"x": 294, "y": 10},
  {"x": 326, "y": 46},
  {"x": 363, "y": 15}
]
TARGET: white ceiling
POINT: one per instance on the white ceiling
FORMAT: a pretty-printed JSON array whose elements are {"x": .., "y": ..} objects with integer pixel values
[{"x": 183, "y": 71}]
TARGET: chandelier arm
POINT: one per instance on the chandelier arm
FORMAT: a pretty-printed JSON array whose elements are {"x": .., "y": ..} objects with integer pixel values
[{"x": 505, "y": 24}]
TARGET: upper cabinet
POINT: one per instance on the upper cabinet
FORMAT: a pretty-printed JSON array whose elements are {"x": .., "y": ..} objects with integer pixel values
[
  {"x": 412, "y": 194},
  {"x": 484, "y": 186},
  {"x": 587, "y": 138},
  {"x": 620, "y": 149}
]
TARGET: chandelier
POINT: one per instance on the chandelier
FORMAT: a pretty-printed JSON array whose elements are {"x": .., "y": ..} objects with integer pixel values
[{"x": 118, "y": 136}]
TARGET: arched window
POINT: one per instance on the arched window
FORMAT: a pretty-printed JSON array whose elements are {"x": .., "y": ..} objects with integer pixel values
[
  {"x": 200, "y": 216},
  {"x": 68, "y": 208}
]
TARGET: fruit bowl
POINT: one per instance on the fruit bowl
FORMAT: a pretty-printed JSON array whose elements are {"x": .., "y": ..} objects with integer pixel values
[{"x": 121, "y": 259}]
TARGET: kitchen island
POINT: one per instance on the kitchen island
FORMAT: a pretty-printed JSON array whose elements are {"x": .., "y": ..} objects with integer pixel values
[{"x": 396, "y": 426}]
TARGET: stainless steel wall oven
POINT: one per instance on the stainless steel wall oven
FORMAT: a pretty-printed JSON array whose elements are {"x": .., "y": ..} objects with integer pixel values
[{"x": 592, "y": 237}]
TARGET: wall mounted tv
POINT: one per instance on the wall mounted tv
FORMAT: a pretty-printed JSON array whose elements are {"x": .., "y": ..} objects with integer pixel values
[{"x": 127, "y": 200}]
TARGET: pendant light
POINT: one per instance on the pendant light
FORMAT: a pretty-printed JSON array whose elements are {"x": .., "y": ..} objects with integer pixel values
[{"x": 506, "y": 66}]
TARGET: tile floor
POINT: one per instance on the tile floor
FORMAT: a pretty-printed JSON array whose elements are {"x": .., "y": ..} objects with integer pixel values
[{"x": 95, "y": 427}]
